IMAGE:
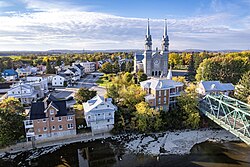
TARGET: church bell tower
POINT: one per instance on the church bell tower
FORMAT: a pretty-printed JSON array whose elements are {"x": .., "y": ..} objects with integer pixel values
[
  {"x": 165, "y": 49},
  {"x": 148, "y": 52}
]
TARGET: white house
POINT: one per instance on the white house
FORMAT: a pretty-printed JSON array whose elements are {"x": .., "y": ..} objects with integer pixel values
[
  {"x": 89, "y": 67},
  {"x": 24, "y": 92},
  {"x": 57, "y": 80},
  {"x": 72, "y": 74},
  {"x": 99, "y": 114},
  {"x": 79, "y": 68},
  {"x": 39, "y": 83},
  {"x": 214, "y": 87}
]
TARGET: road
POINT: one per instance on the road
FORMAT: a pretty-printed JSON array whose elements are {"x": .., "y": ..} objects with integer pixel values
[{"x": 90, "y": 82}]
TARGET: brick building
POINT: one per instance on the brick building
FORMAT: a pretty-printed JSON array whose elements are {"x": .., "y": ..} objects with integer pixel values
[
  {"x": 49, "y": 118},
  {"x": 161, "y": 92}
]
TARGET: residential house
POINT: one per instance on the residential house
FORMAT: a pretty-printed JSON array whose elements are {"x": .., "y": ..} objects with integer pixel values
[
  {"x": 58, "y": 81},
  {"x": 79, "y": 68},
  {"x": 214, "y": 87},
  {"x": 99, "y": 114},
  {"x": 161, "y": 92},
  {"x": 49, "y": 118},
  {"x": 40, "y": 84},
  {"x": 24, "y": 92},
  {"x": 23, "y": 72},
  {"x": 72, "y": 74},
  {"x": 89, "y": 67},
  {"x": 10, "y": 75}
]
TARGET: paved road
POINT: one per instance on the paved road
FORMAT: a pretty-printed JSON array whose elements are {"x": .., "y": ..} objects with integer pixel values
[{"x": 90, "y": 82}]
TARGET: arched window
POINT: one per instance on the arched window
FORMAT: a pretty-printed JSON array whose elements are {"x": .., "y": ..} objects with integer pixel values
[
  {"x": 155, "y": 73},
  {"x": 159, "y": 73},
  {"x": 152, "y": 73}
]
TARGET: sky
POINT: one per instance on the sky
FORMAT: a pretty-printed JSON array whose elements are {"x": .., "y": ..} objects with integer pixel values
[{"x": 41, "y": 25}]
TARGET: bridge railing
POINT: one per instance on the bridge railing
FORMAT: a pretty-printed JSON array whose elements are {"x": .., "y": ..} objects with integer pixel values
[{"x": 231, "y": 114}]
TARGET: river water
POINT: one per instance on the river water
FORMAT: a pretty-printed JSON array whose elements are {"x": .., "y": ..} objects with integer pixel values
[{"x": 109, "y": 153}]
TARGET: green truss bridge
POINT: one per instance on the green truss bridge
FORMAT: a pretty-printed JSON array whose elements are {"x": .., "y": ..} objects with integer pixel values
[{"x": 229, "y": 113}]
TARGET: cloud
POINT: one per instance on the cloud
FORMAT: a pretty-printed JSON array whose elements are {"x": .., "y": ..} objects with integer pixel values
[
  {"x": 49, "y": 28},
  {"x": 4, "y": 4}
]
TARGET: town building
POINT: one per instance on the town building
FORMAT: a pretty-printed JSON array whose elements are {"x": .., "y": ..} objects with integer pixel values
[
  {"x": 99, "y": 114},
  {"x": 214, "y": 87},
  {"x": 10, "y": 75},
  {"x": 57, "y": 80},
  {"x": 72, "y": 74},
  {"x": 40, "y": 84},
  {"x": 24, "y": 92},
  {"x": 49, "y": 118},
  {"x": 89, "y": 67},
  {"x": 79, "y": 68},
  {"x": 161, "y": 92},
  {"x": 153, "y": 63}
]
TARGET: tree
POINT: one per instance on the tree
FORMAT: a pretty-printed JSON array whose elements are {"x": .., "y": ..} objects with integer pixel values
[
  {"x": 224, "y": 69},
  {"x": 116, "y": 67},
  {"x": 129, "y": 67},
  {"x": 84, "y": 94},
  {"x": 123, "y": 66},
  {"x": 147, "y": 118},
  {"x": 113, "y": 92},
  {"x": 142, "y": 76},
  {"x": 242, "y": 91},
  {"x": 191, "y": 69},
  {"x": 107, "y": 68},
  {"x": 187, "y": 104},
  {"x": 11, "y": 121},
  {"x": 49, "y": 69}
]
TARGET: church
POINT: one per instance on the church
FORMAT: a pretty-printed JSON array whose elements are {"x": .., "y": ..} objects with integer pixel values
[{"x": 154, "y": 64}]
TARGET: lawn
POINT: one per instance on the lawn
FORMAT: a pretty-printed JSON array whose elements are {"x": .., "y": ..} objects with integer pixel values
[{"x": 105, "y": 80}]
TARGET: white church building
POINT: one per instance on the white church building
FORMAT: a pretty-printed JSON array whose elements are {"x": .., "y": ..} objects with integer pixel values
[{"x": 153, "y": 63}]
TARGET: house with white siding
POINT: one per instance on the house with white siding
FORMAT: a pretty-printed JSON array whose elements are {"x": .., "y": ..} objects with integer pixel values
[{"x": 99, "y": 114}]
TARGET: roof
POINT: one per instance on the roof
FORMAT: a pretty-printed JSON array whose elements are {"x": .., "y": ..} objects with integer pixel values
[
  {"x": 79, "y": 66},
  {"x": 217, "y": 86},
  {"x": 150, "y": 96},
  {"x": 139, "y": 57},
  {"x": 160, "y": 83},
  {"x": 73, "y": 70},
  {"x": 9, "y": 72},
  {"x": 37, "y": 111},
  {"x": 96, "y": 101}
]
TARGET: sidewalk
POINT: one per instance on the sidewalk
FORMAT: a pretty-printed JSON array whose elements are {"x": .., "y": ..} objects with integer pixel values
[{"x": 25, "y": 146}]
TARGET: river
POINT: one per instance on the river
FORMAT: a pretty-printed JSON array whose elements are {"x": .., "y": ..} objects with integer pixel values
[{"x": 110, "y": 153}]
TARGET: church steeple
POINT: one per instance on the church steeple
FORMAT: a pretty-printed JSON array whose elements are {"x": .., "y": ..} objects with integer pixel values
[
  {"x": 165, "y": 40},
  {"x": 148, "y": 39}
]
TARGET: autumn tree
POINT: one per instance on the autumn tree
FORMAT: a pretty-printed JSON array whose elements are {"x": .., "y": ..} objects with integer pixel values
[
  {"x": 11, "y": 121},
  {"x": 84, "y": 94},
  {"x": 242, "y": 91},
  {"x": 107, "y": 68}
]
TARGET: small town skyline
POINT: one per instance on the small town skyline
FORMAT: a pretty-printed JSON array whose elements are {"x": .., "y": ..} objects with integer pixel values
[{"x": 95, "y": 25}]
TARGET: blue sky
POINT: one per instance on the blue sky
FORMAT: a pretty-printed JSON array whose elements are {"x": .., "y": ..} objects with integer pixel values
[{"x": 121, "y": 24}]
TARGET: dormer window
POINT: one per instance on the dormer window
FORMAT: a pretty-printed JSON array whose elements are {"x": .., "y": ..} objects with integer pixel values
[{"x": 51, "y": 112}]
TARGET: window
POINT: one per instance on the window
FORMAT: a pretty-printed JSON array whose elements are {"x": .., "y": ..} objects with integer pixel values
[
  {"x": 38, "y": 130},
  {"x": 61, "y": 83},
  {"x": 53, "y": 127},
  {"x": 44, "y": 120},
  {"x": 60, "y": 127},
  {"x": 51, "y": 111},
  {"x": 52, "y": 118},
  {"x": 109, "y": 113},
  {"x": 69, "y": 118},
  {"x": 70, "y": 126},
  {"x": 159, "y": 101},
  {"x": 54, "y": 78},
  {"x": 44, "y": 128},
  {"x": 89, "y": 116},
  {"x": 165, "y": 100},
  {"x": 108, "y": 120},
  {"x": 59, "y": 118},
  {"x": 165, "y": 92},
  {"x": 60, "y": 78}
]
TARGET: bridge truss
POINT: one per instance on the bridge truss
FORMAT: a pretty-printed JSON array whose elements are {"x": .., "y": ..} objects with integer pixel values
[{"x": 229, "y": 113}]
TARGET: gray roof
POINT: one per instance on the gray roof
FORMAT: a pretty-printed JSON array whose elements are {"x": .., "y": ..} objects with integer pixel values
[
  {"x": 160, "y": 83},
  {"x": 217, "y": 86}
]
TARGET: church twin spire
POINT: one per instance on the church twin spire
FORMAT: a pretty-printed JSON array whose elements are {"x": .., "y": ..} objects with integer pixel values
[{"x": 165, "y": 39}]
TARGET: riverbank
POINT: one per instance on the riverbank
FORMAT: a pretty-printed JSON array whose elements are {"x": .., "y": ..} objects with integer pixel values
[{"x": 177, "y": 142}]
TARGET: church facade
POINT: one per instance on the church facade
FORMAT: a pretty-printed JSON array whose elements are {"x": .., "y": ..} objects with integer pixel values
[{"x": 153, "y": 63}]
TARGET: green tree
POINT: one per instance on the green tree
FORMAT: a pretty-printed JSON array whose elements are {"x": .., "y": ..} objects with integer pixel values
[
  {"x": 225, "y": 69},
  {"x": 129, "y": 67},
  {"x": 242, "y": 91},
  {"x": 142, "y": 76},
  {"x": 123, "y": 67},
  {"x": 84, "y": 94},
  {"x": 116, "y": 67},
  {"x": 11, "y": 121},
  {"x": 107, "y": 68},
  {"x": 191, "y": 69},
  {"x": 49, "y": 68}
]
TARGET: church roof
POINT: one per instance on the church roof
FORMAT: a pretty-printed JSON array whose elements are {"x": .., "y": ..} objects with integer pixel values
[
  {"x": 139, "y": 57},
  {"x": 160, "y": 83}
]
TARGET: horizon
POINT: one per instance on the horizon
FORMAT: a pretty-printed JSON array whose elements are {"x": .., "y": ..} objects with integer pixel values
[{"x": 118, "y": 25}]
